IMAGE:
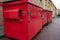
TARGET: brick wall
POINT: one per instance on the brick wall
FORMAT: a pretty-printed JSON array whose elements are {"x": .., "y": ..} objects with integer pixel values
[{"x": 36, "y": 2}]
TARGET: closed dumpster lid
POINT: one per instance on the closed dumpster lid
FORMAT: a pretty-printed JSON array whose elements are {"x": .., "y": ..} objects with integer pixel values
[
  {"x": 20, "y": 2},
  {"x": 13, "y": 3}
]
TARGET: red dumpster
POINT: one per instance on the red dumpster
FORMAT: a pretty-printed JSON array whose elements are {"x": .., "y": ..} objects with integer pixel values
[
  {"x": 49, "y": 16},
  {"x": 22, "y": 20},
  {"x": 44, "y": 17}
]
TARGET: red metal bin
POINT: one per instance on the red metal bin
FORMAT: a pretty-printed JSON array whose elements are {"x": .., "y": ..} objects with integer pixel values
[
  {"x": 44, "y": 17},
  {"x": 22, "y": 20},
  {"x": 49, "y": 16}
]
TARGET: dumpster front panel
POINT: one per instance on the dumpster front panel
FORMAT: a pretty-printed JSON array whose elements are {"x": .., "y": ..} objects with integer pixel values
[
  {"x": 35, "y": 24},
  {"x": 15, "y": 21}
]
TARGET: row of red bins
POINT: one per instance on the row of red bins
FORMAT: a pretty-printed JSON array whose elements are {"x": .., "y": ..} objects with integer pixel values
[{"x": 23, "y": 20}]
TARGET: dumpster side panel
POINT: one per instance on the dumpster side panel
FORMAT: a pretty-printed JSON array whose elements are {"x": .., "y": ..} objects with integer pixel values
[
  {"x": 35, "y": 24},
  {"x": 49, "y": 16},
  {"x": 44, "y": 17}
]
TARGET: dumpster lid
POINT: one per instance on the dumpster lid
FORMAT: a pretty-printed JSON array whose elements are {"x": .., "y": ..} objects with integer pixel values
[
  {"x": 20, "y": 2},
  {"x": 12, "y": 3}
]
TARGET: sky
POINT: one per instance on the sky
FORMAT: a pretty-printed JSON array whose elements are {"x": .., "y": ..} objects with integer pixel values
[{"x": 56, "y": 3}]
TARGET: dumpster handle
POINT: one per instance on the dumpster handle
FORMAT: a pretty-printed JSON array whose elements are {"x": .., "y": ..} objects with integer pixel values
[{"x": 20, "y": 15}]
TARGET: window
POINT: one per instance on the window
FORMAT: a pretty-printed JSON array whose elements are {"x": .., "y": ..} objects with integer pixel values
[
  {"x": 40, "y": 0},
  {"x": 45, "y": 0},
  {"x": 45, "y": 4},
  {"x": 48, "y": 2}
]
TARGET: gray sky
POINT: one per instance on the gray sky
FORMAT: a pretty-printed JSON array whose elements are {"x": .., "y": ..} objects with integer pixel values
[{"x": 57, "y": 3}]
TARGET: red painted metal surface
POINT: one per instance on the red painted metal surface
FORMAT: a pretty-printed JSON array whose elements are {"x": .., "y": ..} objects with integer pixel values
[
  {"x": 15, "y": 21},
  {"x": 49, "y": 16},
  {"x": 44, "y": 17},
  {"x": 35, "y": 24},
  {"x": 22, "y": 21}
]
